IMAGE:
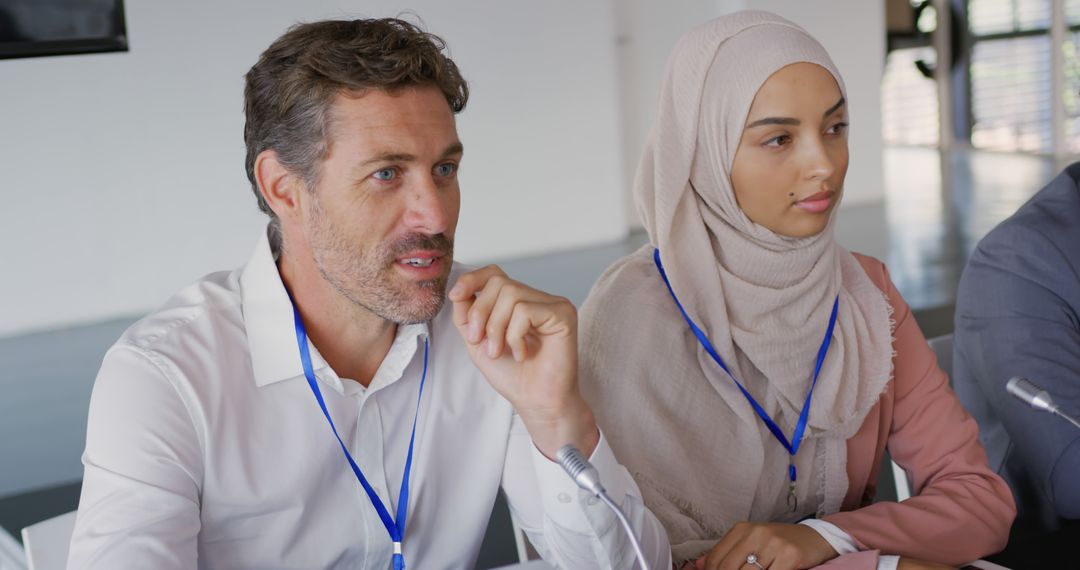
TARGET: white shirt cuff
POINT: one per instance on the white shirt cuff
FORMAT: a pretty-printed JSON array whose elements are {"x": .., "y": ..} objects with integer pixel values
[
  {"x": 843, "y": 544},
  {"x": 566, "y": 503},
  {"x": 887, "y": 562},
  {"x": 841, "y": 541}
]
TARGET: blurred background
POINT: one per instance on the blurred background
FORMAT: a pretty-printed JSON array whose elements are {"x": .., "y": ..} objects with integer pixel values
[{"x": 121, "y": 158}]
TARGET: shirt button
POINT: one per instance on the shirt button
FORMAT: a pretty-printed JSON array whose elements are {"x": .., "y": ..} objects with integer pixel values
[
  {"x": 592, "y": 501},
  {"x": 564, "y": 498}
]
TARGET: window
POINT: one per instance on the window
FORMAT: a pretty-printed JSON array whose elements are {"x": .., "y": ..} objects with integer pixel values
[
  {"x": 909, "y": 99},
  {"x": 1010, "y": 94}
]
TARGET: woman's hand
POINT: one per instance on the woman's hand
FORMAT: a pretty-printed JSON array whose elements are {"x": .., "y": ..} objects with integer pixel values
[
  {"x": 912, "y": 564},
  {"x": 777, "y": 546}
]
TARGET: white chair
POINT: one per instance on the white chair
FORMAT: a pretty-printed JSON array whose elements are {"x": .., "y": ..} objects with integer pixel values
[
  {"x": 47, "y": 542},
  {"x": 12, "y": 556},
  {"x": 943, "y": 348},
  {"x": 524, "y": 548},
  {"x": 900, "y": 480}
]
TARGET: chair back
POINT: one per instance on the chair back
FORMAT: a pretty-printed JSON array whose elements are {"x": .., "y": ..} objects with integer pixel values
[{"x": 47, "y": 542}]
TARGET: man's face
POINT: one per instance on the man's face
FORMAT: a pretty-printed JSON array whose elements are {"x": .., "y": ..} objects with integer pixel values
[{"x": 381, "y": 221}]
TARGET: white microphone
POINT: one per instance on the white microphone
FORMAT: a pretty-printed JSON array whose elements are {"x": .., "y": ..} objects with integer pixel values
[
  {"x": 586, "y": 476},
  {"x": 1026, "y": 391}
]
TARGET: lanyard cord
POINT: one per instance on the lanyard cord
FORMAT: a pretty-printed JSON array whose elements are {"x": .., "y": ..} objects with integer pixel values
[
  {"x": 792, "y": 446},
  {"x": 395, "y": 529}
]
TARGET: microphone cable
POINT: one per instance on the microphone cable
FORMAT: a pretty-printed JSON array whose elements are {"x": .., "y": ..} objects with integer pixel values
[{"x": 587, "y": 477}]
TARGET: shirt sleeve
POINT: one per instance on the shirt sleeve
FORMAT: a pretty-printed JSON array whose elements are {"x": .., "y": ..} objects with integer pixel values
[
  {"x": 139, "y": 506},
  {"x": 961, "y": 510},
  {"x": 843, "y": 544},
  {"x": 1013, "y": 319},
  {"x": 567, "y": 525}
]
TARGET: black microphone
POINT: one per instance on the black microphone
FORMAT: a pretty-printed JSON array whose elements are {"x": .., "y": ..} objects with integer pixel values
[
  {"x": 1026, "y": 391},
  {"x": 587, "y": 477}
]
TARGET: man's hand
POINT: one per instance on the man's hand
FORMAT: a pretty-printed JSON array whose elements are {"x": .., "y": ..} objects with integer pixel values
[
  {"x": 777, "y": 547},
  {"x": 524, "y": 341}
]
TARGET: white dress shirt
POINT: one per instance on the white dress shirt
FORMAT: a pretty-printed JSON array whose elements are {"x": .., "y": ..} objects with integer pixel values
[{"x": 206, "y": 449}]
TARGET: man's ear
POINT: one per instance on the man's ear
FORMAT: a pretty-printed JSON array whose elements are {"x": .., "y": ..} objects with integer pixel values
[{"x": 278, "y": 186}]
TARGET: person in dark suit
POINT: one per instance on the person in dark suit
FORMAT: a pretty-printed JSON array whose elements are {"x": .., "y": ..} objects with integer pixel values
[{"x": 1018, "y": 314}]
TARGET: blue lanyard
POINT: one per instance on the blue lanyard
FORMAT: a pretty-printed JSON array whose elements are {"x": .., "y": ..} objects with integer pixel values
[
  {"x": 792, "y": 447},
  {"x": 396, "y": 529}
]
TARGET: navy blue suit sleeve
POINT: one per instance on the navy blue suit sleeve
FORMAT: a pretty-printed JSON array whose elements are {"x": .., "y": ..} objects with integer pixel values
[{"x": 1014, "y": 318}]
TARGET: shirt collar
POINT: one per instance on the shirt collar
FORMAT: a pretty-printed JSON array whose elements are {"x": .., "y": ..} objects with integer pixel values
[
  {"x": 271, "y": 329},
  {"x": 408, "y": 340}
]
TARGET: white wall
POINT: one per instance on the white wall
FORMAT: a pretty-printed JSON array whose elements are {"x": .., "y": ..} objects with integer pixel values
[
  {"x": 647, "y": 32},
  {"x": 122, "y": 173},
  {"x": 853, "y": 32}
]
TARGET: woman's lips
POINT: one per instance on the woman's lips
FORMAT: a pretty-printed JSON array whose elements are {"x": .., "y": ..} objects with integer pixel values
[{"x": 816, "y": 203}]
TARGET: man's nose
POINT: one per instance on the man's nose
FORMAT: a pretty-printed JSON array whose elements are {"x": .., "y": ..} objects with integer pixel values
[{"x": 426, "y": 210}]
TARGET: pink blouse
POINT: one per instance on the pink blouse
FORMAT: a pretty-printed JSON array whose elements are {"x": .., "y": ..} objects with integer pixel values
[{"x": 960, "y": 510}]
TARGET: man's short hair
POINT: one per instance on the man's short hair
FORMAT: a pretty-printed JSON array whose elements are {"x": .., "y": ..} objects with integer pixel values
[{"x": 289, "y": 92}]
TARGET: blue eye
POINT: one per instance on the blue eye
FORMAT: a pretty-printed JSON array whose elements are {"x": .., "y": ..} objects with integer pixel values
[
  {"x": 446, "y": 169},
  {"x": 386, "y": 174}
]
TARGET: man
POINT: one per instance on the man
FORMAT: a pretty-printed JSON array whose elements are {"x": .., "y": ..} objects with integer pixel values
[
  {"x": 1018, "y": 314},
  {"x": 220, "y": 437}
]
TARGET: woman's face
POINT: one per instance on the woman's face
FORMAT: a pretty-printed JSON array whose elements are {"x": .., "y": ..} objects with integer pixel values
[{"x": 789, "y": 168}]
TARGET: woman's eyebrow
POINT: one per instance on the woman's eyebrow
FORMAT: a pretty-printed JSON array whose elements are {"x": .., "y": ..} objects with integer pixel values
[
  {"x": 793, "y": 121},
  {"x": 774, "y": 121},
  {"x": 835, "y": 107}
]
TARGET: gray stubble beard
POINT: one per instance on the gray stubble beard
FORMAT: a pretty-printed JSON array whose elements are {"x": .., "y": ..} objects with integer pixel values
[{"x": 364, "y": 279}]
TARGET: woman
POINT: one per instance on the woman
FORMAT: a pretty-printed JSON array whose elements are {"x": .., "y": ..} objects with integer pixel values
[{"x": 825, "y": 366}]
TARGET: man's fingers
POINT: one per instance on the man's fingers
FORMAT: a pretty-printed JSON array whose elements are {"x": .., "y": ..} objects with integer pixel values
[
  {"x": 465, "y": 295},
  {"x": 501, "y": 313},
  {"x": 482, "y": 306},
  {"x": 461, "y": 313},
  {"x": 526, "y": 317},
  {"x": 487, "y": 304},
  {"x": 468, "y": 284}
]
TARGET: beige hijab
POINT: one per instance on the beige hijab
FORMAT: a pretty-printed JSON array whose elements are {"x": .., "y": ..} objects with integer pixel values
[{"x": 702, "y": 457}]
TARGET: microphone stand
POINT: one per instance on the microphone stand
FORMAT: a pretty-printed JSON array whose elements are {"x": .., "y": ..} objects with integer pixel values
[
  {"x": 1028, "y": 392},
  {"x": 587, "y": 477}
]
